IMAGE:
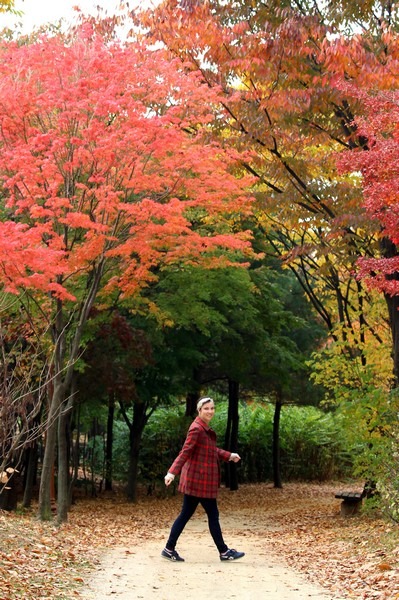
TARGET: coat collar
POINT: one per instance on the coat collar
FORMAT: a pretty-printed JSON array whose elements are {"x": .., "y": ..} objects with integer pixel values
[{"x": 199, "y": 421}]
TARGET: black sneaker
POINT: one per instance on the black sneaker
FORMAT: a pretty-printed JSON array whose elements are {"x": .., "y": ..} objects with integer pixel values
[
  {"x": 231, "y": 554},
  {"x": 171, "y": 555}
]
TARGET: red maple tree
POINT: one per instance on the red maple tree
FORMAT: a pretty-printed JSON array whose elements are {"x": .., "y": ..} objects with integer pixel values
[
  {"x": 107, "y": 160},
  {"x": 105, "y": 153},
  {"x": 377, "y": 166}
]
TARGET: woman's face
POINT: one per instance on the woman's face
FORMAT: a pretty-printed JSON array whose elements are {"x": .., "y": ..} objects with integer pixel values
[{"x": 206, "y": 412}]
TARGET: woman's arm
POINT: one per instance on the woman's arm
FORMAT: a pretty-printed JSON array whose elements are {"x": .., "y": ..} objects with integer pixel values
[
  {"x": 186, "y": 451},
  {"x": 223, "y": 454},
  {"x": 227, "y": 456}
]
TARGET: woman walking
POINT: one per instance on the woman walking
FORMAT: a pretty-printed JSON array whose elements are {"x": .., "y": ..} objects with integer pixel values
[{"x": 198, "y": 464}]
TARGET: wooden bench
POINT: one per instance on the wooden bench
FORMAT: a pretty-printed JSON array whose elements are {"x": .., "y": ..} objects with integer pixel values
[{"x": 351, "y": 502}]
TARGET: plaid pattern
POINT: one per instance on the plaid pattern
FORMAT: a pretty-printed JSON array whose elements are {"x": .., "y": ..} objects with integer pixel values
[{"x": 198, "y": 462}]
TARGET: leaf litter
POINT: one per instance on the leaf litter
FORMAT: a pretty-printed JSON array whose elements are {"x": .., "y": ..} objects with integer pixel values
[{"x": 300, "y": 524}]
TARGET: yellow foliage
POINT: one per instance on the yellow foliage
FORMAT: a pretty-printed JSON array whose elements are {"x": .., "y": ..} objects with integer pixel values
[
  {"x": 6, "y": 5},
  {"x": 357, "y": 359}
]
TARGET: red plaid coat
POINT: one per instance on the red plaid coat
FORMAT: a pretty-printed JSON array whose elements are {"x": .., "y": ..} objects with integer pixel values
[{"x": 198, "y": 462}]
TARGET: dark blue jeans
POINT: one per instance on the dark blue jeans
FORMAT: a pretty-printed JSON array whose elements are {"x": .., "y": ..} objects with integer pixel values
[{"x": 190, "y": 504}]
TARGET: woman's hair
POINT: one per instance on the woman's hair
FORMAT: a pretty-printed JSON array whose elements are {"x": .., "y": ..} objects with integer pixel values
[{"x": 203, "y": 401}]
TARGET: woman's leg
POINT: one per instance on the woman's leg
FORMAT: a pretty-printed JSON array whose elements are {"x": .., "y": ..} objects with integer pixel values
[
  {"x": 211, "y": 509},
  {"x": 190, "y": 503}
]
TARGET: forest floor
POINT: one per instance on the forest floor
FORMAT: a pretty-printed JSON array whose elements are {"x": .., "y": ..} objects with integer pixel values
[{"x": 296, "y": 542}]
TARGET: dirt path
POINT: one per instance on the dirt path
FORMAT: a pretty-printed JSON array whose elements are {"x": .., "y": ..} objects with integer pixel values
[{"x": 141, "y": 573}]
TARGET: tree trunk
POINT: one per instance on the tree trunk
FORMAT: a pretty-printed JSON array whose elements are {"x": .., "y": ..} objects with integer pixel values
[
  {"x": 136, "y": 429},
  {"x": 193, "y": 396},
  {"x": 109, "y": 443},
  {"x": 63, "y": 495},
  {"x": 191, "y": 404},
  {"x": 93, "y": 464},
  {"x": 75, "y": 457},
  {"x": 227, "y": 438},
  {"x": 63, "y": 367},
  {"x": 133, "y": 466},
  {"x": 276, "y": 445},
  {"x": 30, "y": 476},
  {"x": 232, "y": 433},
  {"x": 9, "y": 492},
  {"x": 389, "y": 250},
  {"x": 46, "y": 480},
  {"x": 393, "y": 310}
]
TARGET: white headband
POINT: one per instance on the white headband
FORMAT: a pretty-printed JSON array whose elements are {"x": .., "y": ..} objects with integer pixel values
[{"x": 203, "y": 401}]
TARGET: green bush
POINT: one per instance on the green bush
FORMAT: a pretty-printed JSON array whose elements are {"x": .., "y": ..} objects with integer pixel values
[
  {"x": 120, "y": 463},
  {"x": 313, "y": 443},
  {"x": 255, "y": 443},
  {"x": 377, "y": 459},
  {"x": 162, "y": 440}
]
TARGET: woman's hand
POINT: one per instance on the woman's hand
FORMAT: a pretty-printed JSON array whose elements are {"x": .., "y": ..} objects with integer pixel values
[
  {"x": 169, "y": 477},
  {"x": 235, "y": 457}
]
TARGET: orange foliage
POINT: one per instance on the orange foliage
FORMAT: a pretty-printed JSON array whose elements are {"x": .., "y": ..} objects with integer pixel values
[{"x": 106, "y": 154}]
